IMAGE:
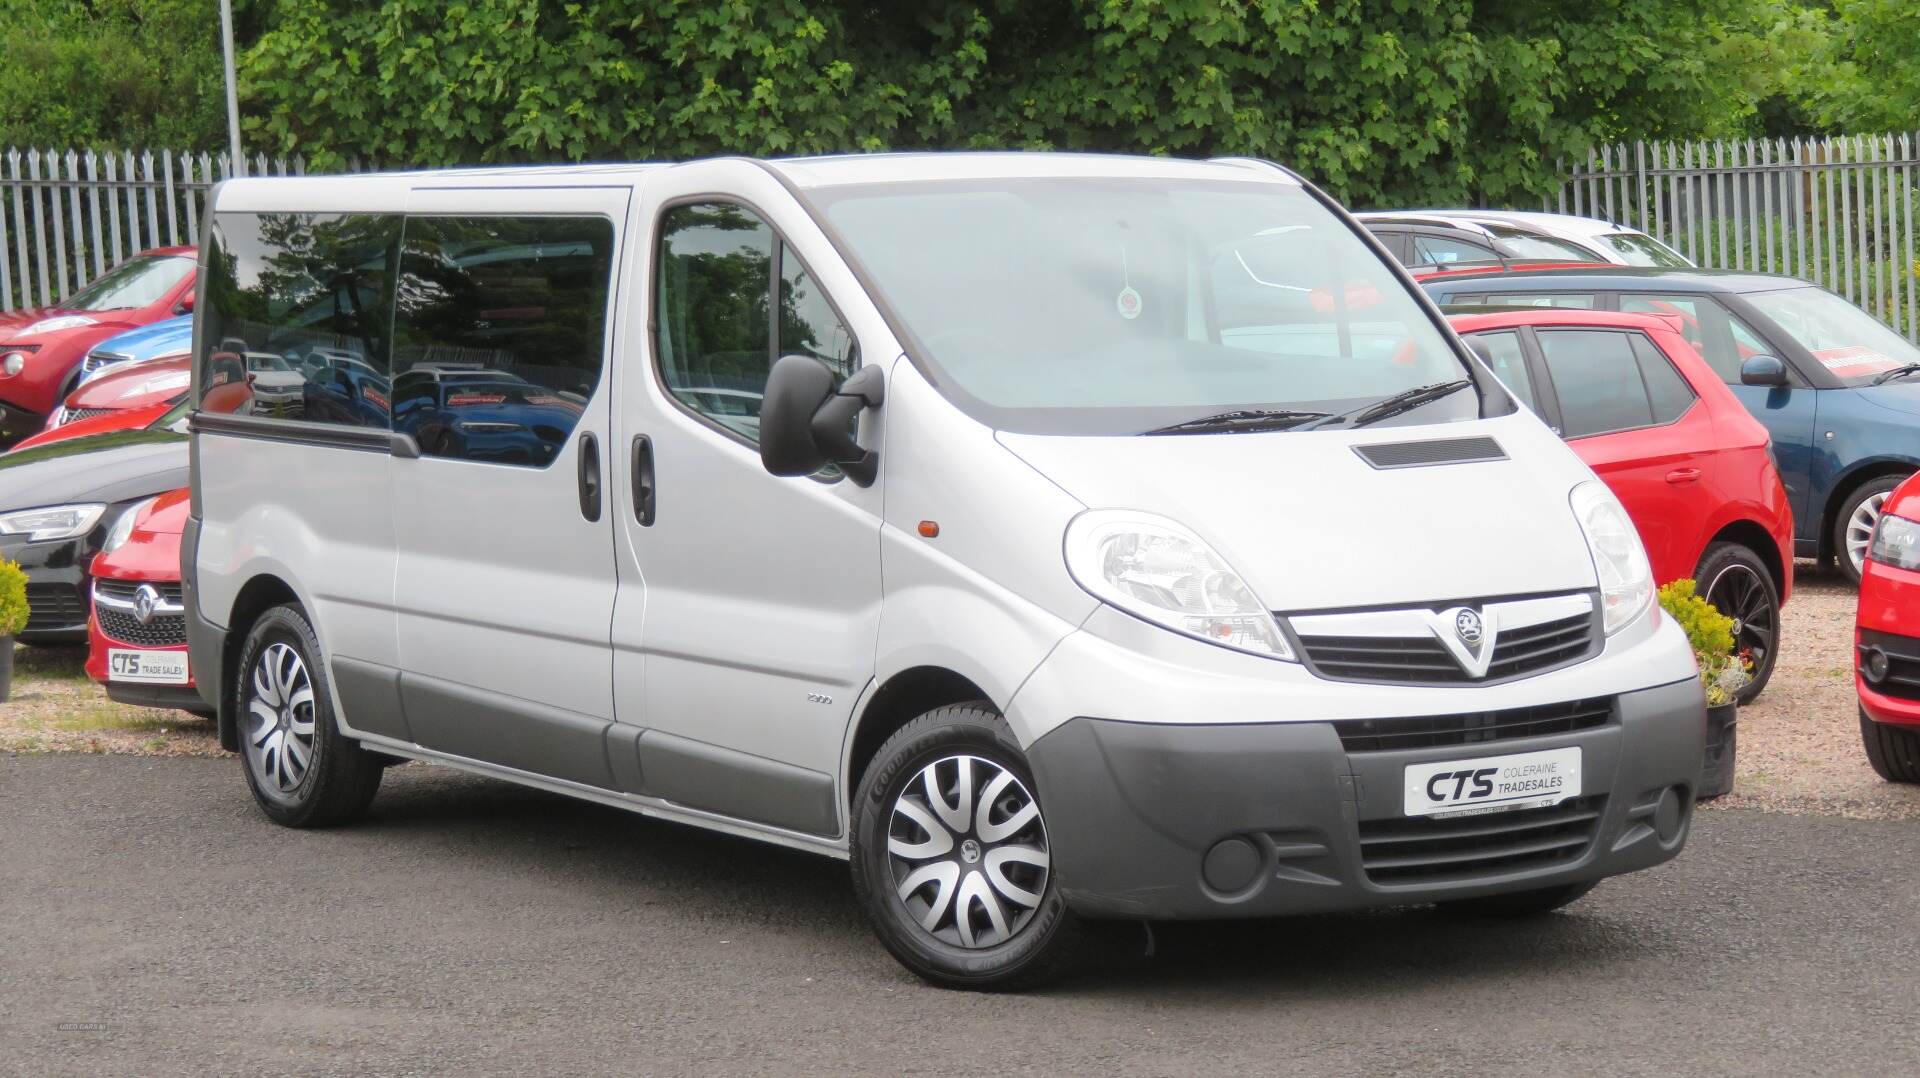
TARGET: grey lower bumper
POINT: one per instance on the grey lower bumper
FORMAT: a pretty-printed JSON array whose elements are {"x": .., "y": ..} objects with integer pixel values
[{"x": 1186, "y": 821}]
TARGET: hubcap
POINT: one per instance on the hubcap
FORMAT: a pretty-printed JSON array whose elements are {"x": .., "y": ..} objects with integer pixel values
[
  {"x": 1739, "y": 593},
  {"x": 968, "y": 852},
  {"x": 279, "y": 719},
  {"x": 1860, "y": 529}
]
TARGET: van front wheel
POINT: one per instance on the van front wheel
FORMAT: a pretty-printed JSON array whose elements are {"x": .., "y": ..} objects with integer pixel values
[
  {"x": 950, "y": 855},
  {"x": 303, "y": 772}
]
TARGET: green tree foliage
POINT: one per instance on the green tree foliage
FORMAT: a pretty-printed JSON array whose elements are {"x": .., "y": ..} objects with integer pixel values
[
  {"x": 110, "y": 73},
  {"x": 1866, "y": 69},
  {"x": 1383, "y": 100}
]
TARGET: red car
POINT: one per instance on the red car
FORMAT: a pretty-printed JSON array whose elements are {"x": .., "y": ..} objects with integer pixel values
[
  {"x": 150, "y": 417},
  {"x": 1887, "y": 636},
  {"x": 41, "y": 347},
  {"x": 137, "y": 635},
  {"x": 1693, "y": 468},
  {"x": 163, "y": 382}
]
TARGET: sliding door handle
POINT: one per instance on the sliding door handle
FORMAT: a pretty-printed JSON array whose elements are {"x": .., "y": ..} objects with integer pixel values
[
  {"x": 643, "y": 488},
  {"x": 590, "y": 477}
]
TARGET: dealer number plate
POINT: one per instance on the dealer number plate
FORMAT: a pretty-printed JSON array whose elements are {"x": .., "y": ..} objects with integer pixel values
[
  {"x": 149, "y": 667},
  {"x": 1493, "y": 783}
]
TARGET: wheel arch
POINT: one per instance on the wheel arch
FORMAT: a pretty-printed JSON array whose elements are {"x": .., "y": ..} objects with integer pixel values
[
  {"x": 1843, "y": 487},
  {"x": 901, "y": 698},
  {"x": 259, "y": 594},
  {"x": 1755, "y": 537}
]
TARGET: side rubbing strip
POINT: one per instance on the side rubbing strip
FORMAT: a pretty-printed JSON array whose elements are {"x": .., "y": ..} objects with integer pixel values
[
  {"x": 1385, "y": 455},
  {"x": 299, "y": 432},
  {"x": 703, "y": 776}
]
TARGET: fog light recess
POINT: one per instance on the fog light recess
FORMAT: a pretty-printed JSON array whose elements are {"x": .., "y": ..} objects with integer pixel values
[{"x": 1231, "y": 866}]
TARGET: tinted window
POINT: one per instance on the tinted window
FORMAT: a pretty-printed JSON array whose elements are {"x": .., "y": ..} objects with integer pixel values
[
  {"x": 1668, "y": 393},
  {"x": 310, "y": 290},
  {"x": 1701, "y": 323},
  {"x": 1582, "y": 301},
  {"x": 1501, "y": 352},
  {"x": 1445, "y": 250},
  {"x": 1597, "y": 381},
  {"x": 134, "y": 283},
  {"x": 499, "y": 333},
  {"x": 716, "y": 338}
]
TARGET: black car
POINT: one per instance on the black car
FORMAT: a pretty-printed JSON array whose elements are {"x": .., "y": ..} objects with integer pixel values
[{"x": 57, "y": 503}]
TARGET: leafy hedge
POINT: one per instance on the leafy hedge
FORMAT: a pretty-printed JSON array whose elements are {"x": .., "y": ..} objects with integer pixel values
[{"x": 1385, "y": 101}]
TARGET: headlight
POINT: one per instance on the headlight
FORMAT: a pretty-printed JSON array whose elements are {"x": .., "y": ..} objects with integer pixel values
[
  {"x": 13, "y": 363},
  {"x": 1896, "y": 542},
  {"x": 122, "y": 529},
  {"x": 1157, "y": 570},
  {"x": 54, "y": 325},
  {"x": 54, "y": 522},
  {"x": 1626, "y": 580}
]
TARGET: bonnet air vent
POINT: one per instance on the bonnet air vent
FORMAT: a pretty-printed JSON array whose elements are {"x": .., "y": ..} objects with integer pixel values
[{"x": 1437, "y": 451}]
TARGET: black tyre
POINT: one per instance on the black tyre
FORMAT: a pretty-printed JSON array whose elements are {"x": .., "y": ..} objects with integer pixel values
[
  {"x": 1520, "y": 903},
  {"x": 1737, "y": 583},
  {"x": 1894, "y": 751},
  {"x": 1853, "y": 525},
  {"x": 950, "y": 855},
  {"x": 302, "y": 771}
]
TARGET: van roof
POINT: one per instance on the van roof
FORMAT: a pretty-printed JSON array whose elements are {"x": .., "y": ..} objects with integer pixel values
[{"x": 352, "y": 190}]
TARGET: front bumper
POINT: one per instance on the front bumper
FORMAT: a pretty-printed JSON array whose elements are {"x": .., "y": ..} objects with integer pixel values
[
  {"x": 57, "y": 589},
  {"x": 1176, "y": 821}
]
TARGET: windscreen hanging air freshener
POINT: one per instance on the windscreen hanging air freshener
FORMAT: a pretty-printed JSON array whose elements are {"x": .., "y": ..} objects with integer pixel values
[{"x": 1128, "y": 302}]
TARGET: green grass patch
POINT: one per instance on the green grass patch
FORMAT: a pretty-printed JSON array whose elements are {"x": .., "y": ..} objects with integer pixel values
[
  {"x": 66, "y": 663},
  {"x": 105, "y": 718}
]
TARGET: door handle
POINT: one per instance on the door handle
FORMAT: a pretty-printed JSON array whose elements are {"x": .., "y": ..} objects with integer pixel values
[
  {"x": 643, "y": 488},
  {"x": 590, "y": 477},
  {"x": 1683, "y": 475}
]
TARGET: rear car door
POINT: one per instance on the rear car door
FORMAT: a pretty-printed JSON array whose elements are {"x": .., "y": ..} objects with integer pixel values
[
  {"x": 1630, "y": 415},
  {"x": 1788, "y": 411},
  {"x": 504, "y": 582}
]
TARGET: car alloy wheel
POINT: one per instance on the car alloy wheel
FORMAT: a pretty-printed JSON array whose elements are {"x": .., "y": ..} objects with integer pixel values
[
  {"x": 968, "y": 852},
  {"x": 1738, "y": 592},
  {"x": 1860, "y": 525},
  {"x": 280, "y": 719}
]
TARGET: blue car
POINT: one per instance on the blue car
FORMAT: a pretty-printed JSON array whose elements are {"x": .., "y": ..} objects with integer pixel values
[
  {"x": 168, "y": 337},
  {"x": 480, "y": 414},
  {"x": 1837, "y": 389}
]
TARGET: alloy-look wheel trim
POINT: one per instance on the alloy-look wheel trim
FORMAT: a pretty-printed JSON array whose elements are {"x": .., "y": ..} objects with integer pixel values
[
  {"x": 280, "y": 719},
  {"x": 968, "y": 853},
  {"x": 1738, "y": 592},
  {"x": 1860, "y": 528}
]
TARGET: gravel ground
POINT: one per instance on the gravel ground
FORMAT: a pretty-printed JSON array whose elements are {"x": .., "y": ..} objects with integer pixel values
[{"x": 1799, "y": 749}]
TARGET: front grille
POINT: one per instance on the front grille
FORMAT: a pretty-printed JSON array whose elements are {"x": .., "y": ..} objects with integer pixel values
[
  {"x": 1423, "y": 659},
  {"x": 74, "y": 415},
  {"x": 1903, "y": 663},
  {"x": 1385, "y": 455},
  {"x": 1424, "y": 850},
  {"x": 97, "y": 360},
  {"x": 165, "y": 630},
  {"x": 55, "y": 606},
  {"x": 1436, "y": 731}
]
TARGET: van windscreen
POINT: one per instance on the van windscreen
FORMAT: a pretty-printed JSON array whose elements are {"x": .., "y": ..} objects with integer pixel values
[{"x": 1118, "y": 306}]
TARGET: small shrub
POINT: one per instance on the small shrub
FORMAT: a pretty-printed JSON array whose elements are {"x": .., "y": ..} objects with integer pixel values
[
  {"x": 13, "y": 598},
  {"x": 1710, "y": 633}
]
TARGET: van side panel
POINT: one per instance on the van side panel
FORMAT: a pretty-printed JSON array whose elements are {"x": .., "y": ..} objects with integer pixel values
[{"x": 316, "y": 518}]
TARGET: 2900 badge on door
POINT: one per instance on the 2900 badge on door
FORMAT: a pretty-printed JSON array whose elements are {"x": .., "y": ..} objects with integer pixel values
[{"x": 1492, "y": 783}]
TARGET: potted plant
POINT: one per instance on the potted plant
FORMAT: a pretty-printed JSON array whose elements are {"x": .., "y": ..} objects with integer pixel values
[
  {"x": 13, "y": 618},
  {"x": 1723, "y": 673}
]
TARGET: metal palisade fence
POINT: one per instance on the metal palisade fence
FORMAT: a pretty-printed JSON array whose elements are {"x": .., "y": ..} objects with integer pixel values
[
  {"x": 1836, "y": 211},
  {"x": 68, "y": 216}
]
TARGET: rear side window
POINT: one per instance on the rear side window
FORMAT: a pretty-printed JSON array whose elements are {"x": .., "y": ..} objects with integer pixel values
[
  {"x": 1700, "y": 323},
  {"x": 1597, "y": 379},
  {"x": 1668, "y": 393},
  {"x": 1502, "y": 353},
  {"x": 297, "y": 316},
  {"x": 1581, "y": 301},
  {"x": 730, "y": 299},
  {"x": 499, "y": 333}
]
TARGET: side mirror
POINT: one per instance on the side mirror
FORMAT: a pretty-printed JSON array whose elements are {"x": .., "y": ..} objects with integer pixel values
[
  {"x": 1763, "y": 371},
  {"x": 185, "y": 306},
  {"x": 806, "y": 424}
]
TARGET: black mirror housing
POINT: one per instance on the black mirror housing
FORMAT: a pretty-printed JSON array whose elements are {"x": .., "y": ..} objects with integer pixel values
[
  {"x": 1763, "y": 371},
  {"x": 805, "y": 423}
]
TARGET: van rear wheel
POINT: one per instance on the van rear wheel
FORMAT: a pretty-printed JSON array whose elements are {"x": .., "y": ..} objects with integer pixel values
[
  {"x": 303, "y": 772},
  {"x": 950, "y": 855}
]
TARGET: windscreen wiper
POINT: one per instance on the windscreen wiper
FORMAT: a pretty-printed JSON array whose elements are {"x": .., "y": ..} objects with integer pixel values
[
  {"x": 1405, "y": 401},
  {"x": 1897, "y": 372},
  {"x": 1241, "y": 420}
]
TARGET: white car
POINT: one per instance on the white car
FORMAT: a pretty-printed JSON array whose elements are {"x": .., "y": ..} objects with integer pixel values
[
  {"x": 1114, "y": 538},
  {"x": 1446, "y": 238}
]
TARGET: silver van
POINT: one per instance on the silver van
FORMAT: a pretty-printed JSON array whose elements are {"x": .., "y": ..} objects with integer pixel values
[{"x": 1055, "y": 538}]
